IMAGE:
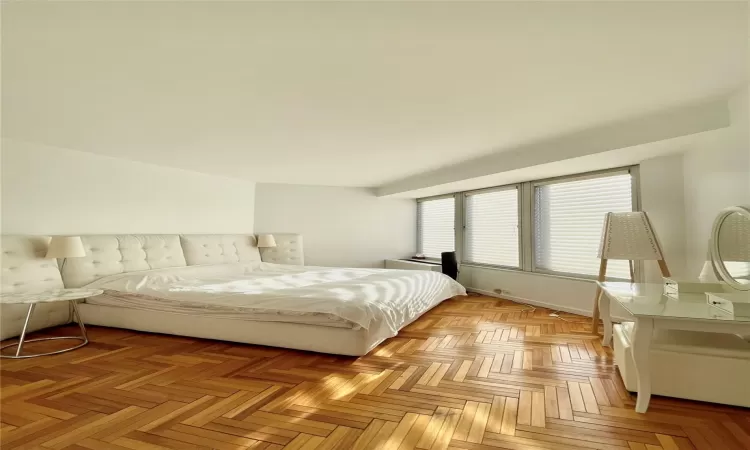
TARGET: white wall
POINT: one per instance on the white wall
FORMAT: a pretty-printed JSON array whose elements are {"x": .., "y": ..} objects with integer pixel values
[
  {"x": 661, "y": 186},
  {"x": 717, "y": 175},
  {"x": 554, "y": 292},
  {"x": 340, "y": 226},
  {"x": 48, "y": 190},
  {"x": 663, "y": 198}
]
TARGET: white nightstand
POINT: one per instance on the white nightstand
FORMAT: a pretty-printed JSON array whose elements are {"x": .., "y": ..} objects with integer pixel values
[{"x": 406, "y": 264}]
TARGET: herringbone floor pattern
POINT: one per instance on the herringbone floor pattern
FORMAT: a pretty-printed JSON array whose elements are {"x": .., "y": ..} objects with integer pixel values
[{"x": 476, "y": 374}]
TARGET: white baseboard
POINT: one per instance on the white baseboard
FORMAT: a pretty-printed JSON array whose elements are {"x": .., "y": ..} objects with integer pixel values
[{"x": 553, "y": 307}]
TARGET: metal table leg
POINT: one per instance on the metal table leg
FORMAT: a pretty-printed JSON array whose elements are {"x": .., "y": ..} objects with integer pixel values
[
  {"x": 22, "y": 338},
  {"x": 23, "y": 331},
  {"x": 80, "y": 323}
]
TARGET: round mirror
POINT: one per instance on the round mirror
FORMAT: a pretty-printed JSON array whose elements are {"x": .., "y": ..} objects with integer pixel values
[{"x": 730, "y": 246}]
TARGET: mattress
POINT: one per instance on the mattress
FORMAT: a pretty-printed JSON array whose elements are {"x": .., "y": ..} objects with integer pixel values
[
  {"x": 376, "y": 300},
  {"x": 119, "y": 299}
]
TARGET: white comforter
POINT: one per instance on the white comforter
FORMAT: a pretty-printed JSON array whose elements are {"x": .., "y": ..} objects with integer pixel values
[{"x": 381, "y": 301}]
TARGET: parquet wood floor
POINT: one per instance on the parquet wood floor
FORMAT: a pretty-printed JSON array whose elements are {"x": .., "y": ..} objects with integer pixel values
[{"x": 475, "y": 374}]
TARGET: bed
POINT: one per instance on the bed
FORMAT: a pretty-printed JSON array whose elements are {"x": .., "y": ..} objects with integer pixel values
[{"x": 222, "y": 287}]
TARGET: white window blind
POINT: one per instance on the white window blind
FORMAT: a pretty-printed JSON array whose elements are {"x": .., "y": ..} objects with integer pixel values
[
  {"x": 492, "y": 228},
  {"x": 568, "y": 220},
  {"x": 436, "y": 226}
]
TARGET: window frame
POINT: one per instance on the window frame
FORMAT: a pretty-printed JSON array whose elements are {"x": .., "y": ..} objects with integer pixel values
[
  {"x": 635, "y": 203},
  {"x": 464, "y": 243},
  {"x": 455, "y": 220},
  {"x": 526, "y": 208}
]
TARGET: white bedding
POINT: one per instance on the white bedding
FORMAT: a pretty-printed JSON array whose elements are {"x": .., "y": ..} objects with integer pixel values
[
  {"x": 380, "y": 301},
  {"x": 148, "y": 303}
]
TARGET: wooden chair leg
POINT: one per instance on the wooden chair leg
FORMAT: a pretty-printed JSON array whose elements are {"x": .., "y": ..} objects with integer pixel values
[
  {"x": 631, "y": 265},
  {"x": 595, "y": 316},
  {"x": 663, "y": 267}
]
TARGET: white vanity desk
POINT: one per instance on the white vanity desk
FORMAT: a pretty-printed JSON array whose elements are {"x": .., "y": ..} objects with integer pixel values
[{"x": 652, "y": 310}]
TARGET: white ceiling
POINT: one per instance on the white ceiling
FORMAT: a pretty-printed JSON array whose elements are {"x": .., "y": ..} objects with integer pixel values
[{"x": 351, "y": 94}]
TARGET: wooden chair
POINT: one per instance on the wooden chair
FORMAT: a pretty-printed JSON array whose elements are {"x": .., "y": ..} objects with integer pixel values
[{"x": 627, "y": 236}]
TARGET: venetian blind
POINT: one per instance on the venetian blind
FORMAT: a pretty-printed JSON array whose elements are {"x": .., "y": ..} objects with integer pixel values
[
  {"x": 568, "y": 221},
  {"x": 436, "y": 226},
  {"x": 492, "y": 228}
]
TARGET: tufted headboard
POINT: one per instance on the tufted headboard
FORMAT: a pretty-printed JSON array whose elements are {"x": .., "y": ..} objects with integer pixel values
[
  {"x": 24, "y": 269},
  {"x": 219, "y": 248},
  {"x": 288, "y": 250},
  {"x": 24, "y": 266},
  {"x": 112, "y": 254}
]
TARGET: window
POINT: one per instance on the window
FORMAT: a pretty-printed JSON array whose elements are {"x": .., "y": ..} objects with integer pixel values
[
  {"x": 568, "y": 221},
  {"x": 491, "y": 227},
  {"x": 546, "y": 226},
  {"x": 436, "y": 220}
]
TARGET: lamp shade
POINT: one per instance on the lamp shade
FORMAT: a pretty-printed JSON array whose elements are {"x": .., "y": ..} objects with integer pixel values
[
  {"x": 629, "y": 236},
  {"x": 65, "y": 247},
  {"x": 266, "y": 240}
]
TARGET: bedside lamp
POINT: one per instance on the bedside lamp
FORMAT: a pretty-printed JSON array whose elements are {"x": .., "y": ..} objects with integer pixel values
[
  {"x": 65, "y": 247},
  {"x": 266, "y": 241}
]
